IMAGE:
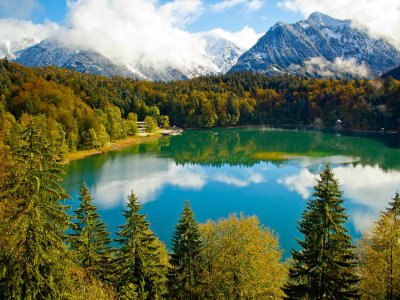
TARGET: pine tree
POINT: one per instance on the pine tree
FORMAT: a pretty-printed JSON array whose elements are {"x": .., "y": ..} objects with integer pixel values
[
  {"x": 380, "y": 256},
  {"x": 32, "y": 232},
  {"x": 89, "y": 238},
  {"x": 139, "y": 273},
  {"x": 185, "y": 276},
  {"x": 323, "y": 268}
]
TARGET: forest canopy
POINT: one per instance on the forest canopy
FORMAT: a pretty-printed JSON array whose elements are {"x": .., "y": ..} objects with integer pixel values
[{"x": 86, "y": 111}]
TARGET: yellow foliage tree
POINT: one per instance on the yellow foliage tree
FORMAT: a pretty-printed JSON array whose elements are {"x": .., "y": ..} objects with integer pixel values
[
  {"x": 243, "y": 259},
  {"x": 379, "y": 252}
]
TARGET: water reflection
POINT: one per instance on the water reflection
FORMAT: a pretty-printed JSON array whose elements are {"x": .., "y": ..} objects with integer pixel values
[
  {"x": 148, "y": 175},
  {"x": 368, "y": 188},
  {"x": 267, "y": 173}
]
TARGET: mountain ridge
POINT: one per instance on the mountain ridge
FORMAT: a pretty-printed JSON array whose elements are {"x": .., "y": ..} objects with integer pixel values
[{"x": 320, "y": 46}]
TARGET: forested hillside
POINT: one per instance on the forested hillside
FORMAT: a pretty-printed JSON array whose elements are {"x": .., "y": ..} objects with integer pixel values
[{"x": 87, "y": 111}]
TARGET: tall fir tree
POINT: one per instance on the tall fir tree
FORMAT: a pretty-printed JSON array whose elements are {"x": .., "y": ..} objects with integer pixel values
[
  {"x": 324, "y": 266},
  {"x": 89, "y": 237},
  {"x": 32, "y": 245},
  {"x": 187, "y": 270},
  {"x": 380, "y": 256},
  {"x": 139, "y": 272}
]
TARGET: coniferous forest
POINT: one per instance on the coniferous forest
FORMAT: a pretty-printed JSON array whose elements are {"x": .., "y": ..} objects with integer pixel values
[{"x": 45, "y": 253}]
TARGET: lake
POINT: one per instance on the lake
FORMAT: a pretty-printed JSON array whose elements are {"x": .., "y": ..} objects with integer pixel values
[{"x": 255, "y": 171}]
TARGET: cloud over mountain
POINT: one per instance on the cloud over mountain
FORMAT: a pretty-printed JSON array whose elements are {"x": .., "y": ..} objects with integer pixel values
[
  {"x": 380, "y": 17},
  {"x": 124, "y": 30}
]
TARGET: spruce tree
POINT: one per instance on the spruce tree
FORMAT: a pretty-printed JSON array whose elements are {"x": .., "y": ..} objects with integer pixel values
[
  {"x": 139, "y": 273},
  {"x": 89, "y": 238},
  {"x": 185, "y": 276},
  {"x": 32, "y": 249},
  {"x": 323, "y": 267}
]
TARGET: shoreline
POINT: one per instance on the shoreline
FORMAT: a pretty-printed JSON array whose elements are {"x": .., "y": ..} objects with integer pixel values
[
  {"x": 116, "y": 145},
  {"x": 303, "y": 127},
  {"x": 137, "y": 139}
]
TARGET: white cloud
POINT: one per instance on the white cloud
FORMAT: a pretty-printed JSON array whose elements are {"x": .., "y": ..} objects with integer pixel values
[
  {"x": 13, "y": 29},
  {"x": 125, "y": 31},
  {"x": 307, "y": 161},
  {"x": 255, "y": 5},
  {"x": 339, "y": 66},
  {"x": 380, "y": 17},
  {"x": 251, "y": 5},
  {"x": 146, "y": 177},
  {"x": 245, "y": 38},
  {"x": 18, "y": 9},
  {"x": 369, "y": 187},
  {"x": 182, "y": 12},
  {"x": 254, "y": 178},
  {"x": 325, "y": 68},
  {"x": 301, "y": 183}
]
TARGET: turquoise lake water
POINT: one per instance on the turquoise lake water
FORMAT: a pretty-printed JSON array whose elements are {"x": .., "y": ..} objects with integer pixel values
[{"x": 255, "y": 171}]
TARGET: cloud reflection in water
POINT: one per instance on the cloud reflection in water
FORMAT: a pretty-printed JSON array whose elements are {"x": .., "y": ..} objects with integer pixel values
[
  {"x": 147, "y": 177},
  {"x": 368, "y": 188}
]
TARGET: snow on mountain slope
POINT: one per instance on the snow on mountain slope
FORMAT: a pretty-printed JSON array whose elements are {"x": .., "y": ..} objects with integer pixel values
[
  {"x": 222, "y": 52},
  {"x": 50, "y": 52},
  {"x": 320, "y": 46},
  {"x": 12, "y": 48}
]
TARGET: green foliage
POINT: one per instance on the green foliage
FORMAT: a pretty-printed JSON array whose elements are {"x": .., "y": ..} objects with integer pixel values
[
  {"x": 131, "y": 124},
  {"x": 242, "y": 259},
  {"x": 151, "y": 124},
  {"x": 379, "y": 252},
  {"x": 138, "y": 272},
  {"x": 186, "y": 276},
  {"x": 324, "y": 267},
  {"x": 89, "y": 237},
  {"x": 32, "y": 230}
]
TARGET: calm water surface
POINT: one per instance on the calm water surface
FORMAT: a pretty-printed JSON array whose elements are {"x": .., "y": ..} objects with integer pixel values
[{"x": 255, "y": 171}]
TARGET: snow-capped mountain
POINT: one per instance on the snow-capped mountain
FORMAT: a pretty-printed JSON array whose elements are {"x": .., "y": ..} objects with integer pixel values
[
  {"x": 12, "y": 48},
  {"x": 50, "y": 52},
  {"x": 222, "y": 52},
  {"x": 320, "y": 46}
]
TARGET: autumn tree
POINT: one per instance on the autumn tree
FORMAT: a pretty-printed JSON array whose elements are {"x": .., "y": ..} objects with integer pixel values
[
  {"x": 379, "y": 252},
  {"x": 242, "y": 259},
  {"x": 323, "y": 267},
  {"x": 187, "y": 270},
  {"x": 138, "y": 269},
  {"x": 89, "y": 237}
]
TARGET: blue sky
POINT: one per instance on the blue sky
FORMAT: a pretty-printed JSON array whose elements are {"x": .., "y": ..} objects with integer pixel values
[
  {"x": 265, "y": 14},
  {"x": 379, "y": 16}
]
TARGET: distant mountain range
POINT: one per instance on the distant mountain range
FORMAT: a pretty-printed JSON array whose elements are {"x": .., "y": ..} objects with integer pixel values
[
  {"x": 320, "y": 46},
  {"x": 50, "y": 52},
  {"x": 221, "y": 55}
]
